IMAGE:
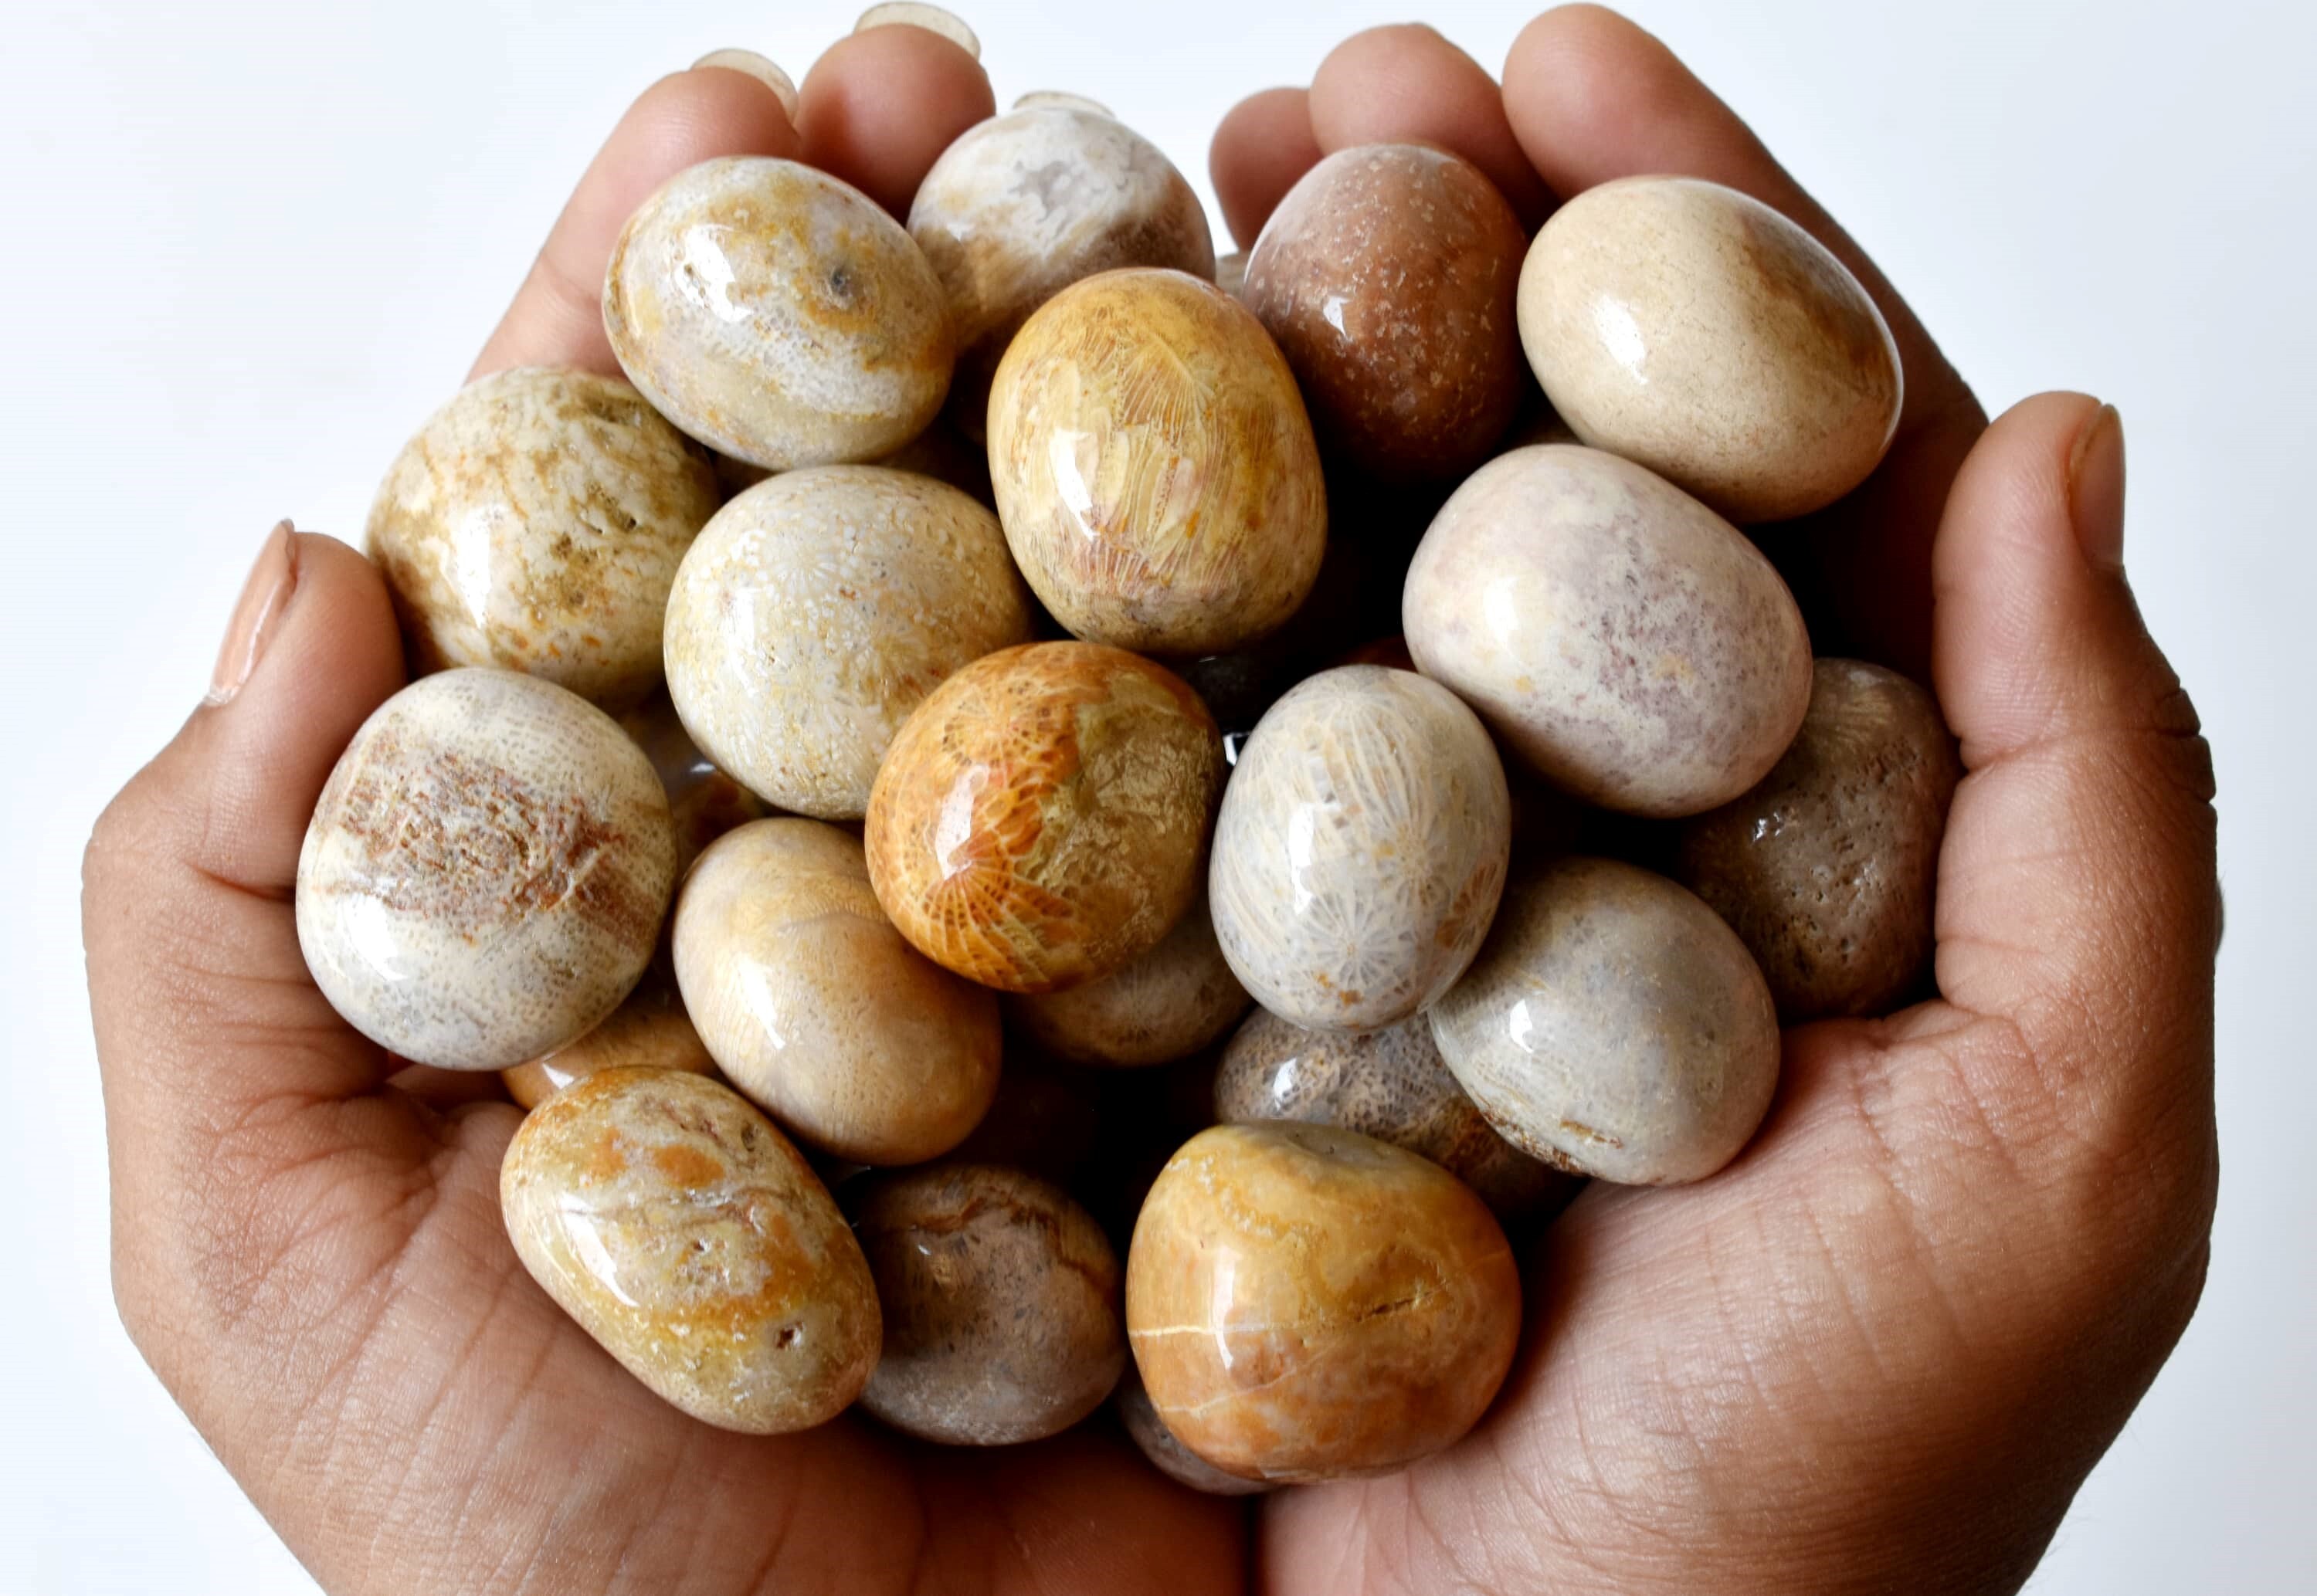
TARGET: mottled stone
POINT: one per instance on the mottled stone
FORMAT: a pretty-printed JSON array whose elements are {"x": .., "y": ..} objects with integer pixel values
[
  {"x": 651, "y": 1030},
  {"x": 1827, "y": 867},
  {"x": 535, "y": 524},
  {"x": 696, "y": 1245},
  {"x": 1390, "y": 1085},
  {"x": 1620, "y": 637},
  {"x": 705, "y": 802},
  {"x": 815, "y": 614},
  {"x": 1169, "y": 1455},
  {"x": 1040, "y": 821},
  {"x": 1306, "y": 1303},
  {"x": 1001, "y": 1300},
  {"x": 817, "y": 1009},
  {"x": 778, "y": 315},
  {"x": 1361, "y": 847},
  {"x": 1387, "y": 274},
  {"x": 1164, "y": 1005},
  {"x": 1694, "y": 330},
  {"x": 1154, "y": 467},
  {"x": 486, "y": 871},
  {"x": 1613, "y": 1026},
  {"x": 1024, "y": 205}
]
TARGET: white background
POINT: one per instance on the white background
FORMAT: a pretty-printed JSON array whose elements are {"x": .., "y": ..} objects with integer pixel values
[{"x": 248, "y": 246}]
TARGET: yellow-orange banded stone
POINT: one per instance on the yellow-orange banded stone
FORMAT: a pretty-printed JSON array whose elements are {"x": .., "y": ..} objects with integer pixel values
[{"x": 649, "y": 1031}]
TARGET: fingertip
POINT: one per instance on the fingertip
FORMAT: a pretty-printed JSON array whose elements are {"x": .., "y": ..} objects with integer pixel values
[
  {"x": 1406, "y": 83},
  {"x": 880, "y": 107},
  {"x": 1263, "y": 145}
]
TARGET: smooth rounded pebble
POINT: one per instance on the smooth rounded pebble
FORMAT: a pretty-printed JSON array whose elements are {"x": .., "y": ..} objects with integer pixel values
[
  {"x": 1169, "y": 1455},
  {"x": 486, "y": 871},
  {"x": 1002, "y": 1304},
  {"x": 1040, "y": 820},
  {"x": 1164, "y": 1005},
  {"x": 1827, "y": 867},
  {"x": 1306, "y": 1303},
  {"x": 1362, "y": 844},
  {"x": 1613, "y": 1026},
  {"x": 535, "y": 524},
  {"x": 1390, "y": 1085},
  {"x": 651, "y": 1030},
  {"x": 696, "y": 1245},
  {"x": 778, "y": 315},
  {"x": 1154, "y": 467},
  {"x": 816, "y": 611},
  {"x": 1620, "y": 637},
  {"x": 1694, "y": 330},
  {"x": 704, "y": 801},
  {"x": 1024, "y": 205},
  {"x": 815, "y": 1008},
  {"x": 1388, "y": 276}
]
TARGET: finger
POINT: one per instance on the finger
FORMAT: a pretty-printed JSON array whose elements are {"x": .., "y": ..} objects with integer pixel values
[
  {"x": 1261, "y": 147},
  {"x": 1406, "y": 84},
  {"x": 880, "y": 107},
  {"x": 557, "y": 319},
  {"x": 1591, "y": 97}
]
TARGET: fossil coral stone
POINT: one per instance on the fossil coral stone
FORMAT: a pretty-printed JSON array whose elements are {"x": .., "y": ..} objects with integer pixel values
[
  {"x": 816, "y": 611},
  {"x": 1306, "y": 1303},
  {"x": 486, "y": 871},
  {"x": 1694, "y": 330},
  {"x": 1001, "y": 1295},
  {"x": 1024, "y": 205},
  {"x": 778, "y": 315},
  {"x": 696, "y": 1245},
  {"x": 649, "y": 1031},
  {"x": 1040, "y": 820},
  {"x": 817, "y": 1010},
  {"x": 1154, "y": 467},
  {"x": 536, "y": 522},
  {"x": 1167, "y": 1005},
  {"x": 1361, "y": 847}
]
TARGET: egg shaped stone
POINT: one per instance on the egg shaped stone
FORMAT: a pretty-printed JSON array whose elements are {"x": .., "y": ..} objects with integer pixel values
[
  {"x": 1003, "y": 1317},
  {"x": 1613, "y": 1026},
  {"x": 1361, "y": 847},
  {"x": 1696, "y": 331},
  {"x": 1621, "y": 638},
  {"x": 1024, "y": 205},
  {"x": 1040, "y": 821},
  {"x": 778, "y": 315},
  {"x": 696, "y": 1245},
  {"x": 1169, "y": 1455},
  {"x": 651, "y": 1030},
  {"x": 486, "y": 871},
  {"x": 1387, "y": 275},
  {"x": 816, "y": 611},
  {"x": 1306, "y": 1303},
  {"x": 1154, "y": 467},
  {"x": 816, "y": 1009},
  {"x": 1164, "y": 1005},
  {"x": 1827, "y": 867}
]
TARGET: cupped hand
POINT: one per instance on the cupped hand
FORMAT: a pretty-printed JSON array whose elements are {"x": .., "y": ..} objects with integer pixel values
[{"x": 1880, "y": 1352}]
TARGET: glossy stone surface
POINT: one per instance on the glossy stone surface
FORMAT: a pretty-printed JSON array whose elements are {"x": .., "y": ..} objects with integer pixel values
[
  {"x": 1024, "y": 205},
  {"x": 1613, "y": 1026},
  {"x": 1827, "y": 867},
  {"x": 1387, "y": 274},
  {"x": 815, "y": 1008},
  {"x": 778, "y": 315},
  {"x": 1002, "y": 1304},
  {"x": 1164, "y": 1005},
  {"x": 651, "y": 1030},
  {"x": 1694, "y": 329},
  {"x": 1622, "y": 638},
  {"x": 705, "y": 802},
  {"x": 1154, "y": 466},
  {"x": 696, "y": 1245},
  {"x": 486, "y": 871},
  {"x": 818, "y": 610},
  {"x": 1390, "y": 1085},
  {"x": 1170, "y": 1456},
  {"x": 1361, "y": 847},
  {"x": 1306, "y": 1303},
  {"x": 1040, "y": 820},
  {"x": 535, "y": 524}
]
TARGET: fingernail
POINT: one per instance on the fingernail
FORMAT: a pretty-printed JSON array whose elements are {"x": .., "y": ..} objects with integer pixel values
[
  {"x": 264, "y": 597},
  {"x": 2095, "y": 490},
  {"x": 1061, "y": 100},
  {"x": 763, "y": 68},
  {"x": 933, "y": 19}
]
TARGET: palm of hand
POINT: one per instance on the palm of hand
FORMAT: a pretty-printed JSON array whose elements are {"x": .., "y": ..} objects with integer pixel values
[{"x": 1884, "y": 1345}]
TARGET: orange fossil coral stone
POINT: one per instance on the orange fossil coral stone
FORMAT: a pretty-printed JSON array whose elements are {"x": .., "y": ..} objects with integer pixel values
[{"x": 1042, "y": 819}]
